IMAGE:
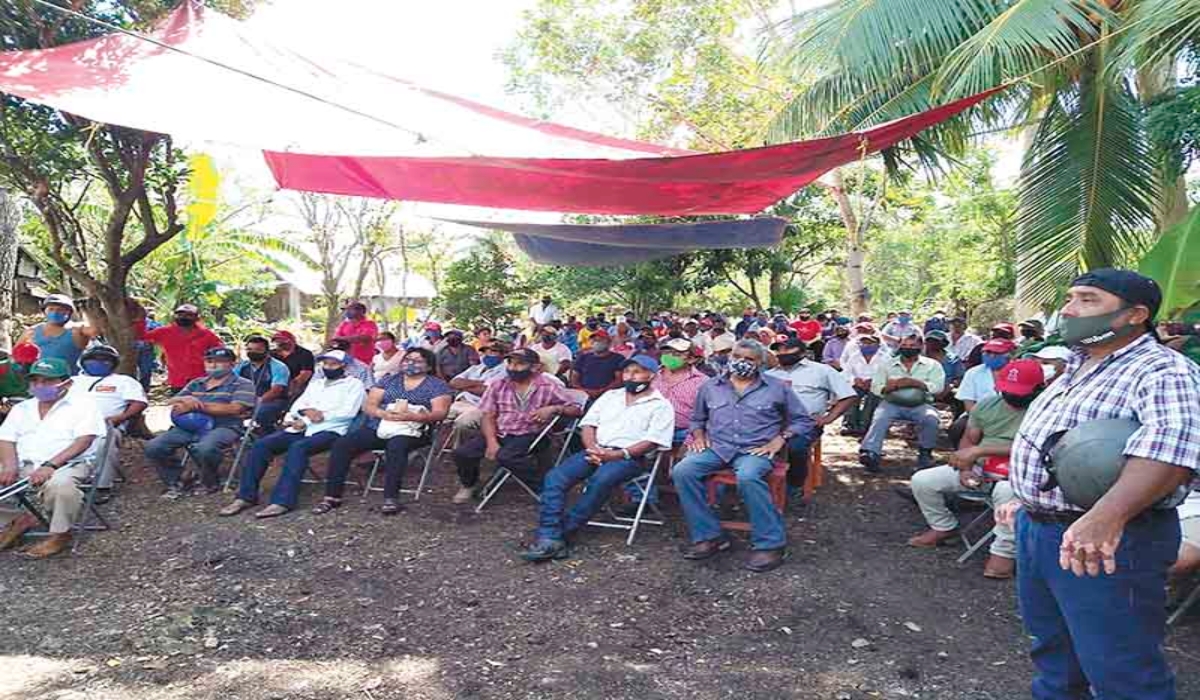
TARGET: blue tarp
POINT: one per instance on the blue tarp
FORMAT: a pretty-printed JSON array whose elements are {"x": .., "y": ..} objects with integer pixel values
[{"x": 600, "y": 246}]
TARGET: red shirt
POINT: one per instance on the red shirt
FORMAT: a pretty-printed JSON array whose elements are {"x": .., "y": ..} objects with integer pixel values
[
  {"x": 184, "y": 350},
  {"x": 807, "y": 330},
  {"x": 364, "y": 351}
]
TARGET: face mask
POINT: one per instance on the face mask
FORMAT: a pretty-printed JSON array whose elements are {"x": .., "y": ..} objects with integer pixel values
[
  {"x": 46, "y": 392},
  {"x": 520, "y": 375},
  {"x": 97, "y": 368},
  {"x": 185, "y": 321},
  {"x": 491, "y": 361},
  {"x": 993, "y": 361},
  {"x": 1093, "y": 330},
  {"x": 58, "y": 318},
  {"x": 592, "y": 326},
  {"x": 385, "y": 345},
  {"x": 805, "y": 317},
  {"x": 868, "y": 350},
  {"x": 454, "y": 341},
  {"x": 352, "y": 315},
  {"x": 283, "y": 347},
  {"x": 790, "y": 359},
  {"x": 413, "y": 369},
  {"x": 546, "y": 302},
  {"x": 909, "y": 353},
  {"x": 600, "y": 347},
  {"x": 334, "y": 374},
  {"x": 1018, "y": 401},
  {"x": 548, "y": 339},
  {"x": 743, "y": 368},
  {"x": 256, "y": 356},
  {"x": 219, "y": 372},
  {"x": 1028, "y": 333},
  {"x": 655, "y": 324},
  {"x": 672, "y": 362},
  {"x": 719, "y": 360},
  {"x": 842, "y": 335},
  {"x": 1049, "y": 372},
  {"x": 636, "y": 387},
  {"x": 904, "y": 318}
]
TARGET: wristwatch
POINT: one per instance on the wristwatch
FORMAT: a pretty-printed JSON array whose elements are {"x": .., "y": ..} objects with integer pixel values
[
  {"x": 625, "y": 451},
  {"x": 50, "y": 464}
]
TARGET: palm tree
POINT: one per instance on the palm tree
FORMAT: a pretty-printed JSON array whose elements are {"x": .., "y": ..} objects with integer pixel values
[{"x": 1082, "y": 72}]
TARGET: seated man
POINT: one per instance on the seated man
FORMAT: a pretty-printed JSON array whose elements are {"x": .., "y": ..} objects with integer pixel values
[
  {"x": 471, "y": 383},
  {"x": 223, "y": 397},
  {"x": 741, "y": 421},
  {"x": 991, "y": 429},
  {"x": 907, "y": 370},
  {"x": 515, "y": 408},
  {"x": 937, "y": 345},
  {"x": 456, "y": 357},
  {"x": 860, "y": 360},
  {"x": 825, "y": 395},
  {"x": 270, "y": 378},
  {"x": 49, "y": 440},
  {"x": 119, "y": 398},
  {"x": 597, "y": 370},
  {"x": 978, "y": 383},
  {"x": 354, "y": 368},
  {"x": 620, "y": 430},
  {"x": 320, "y": 416}
]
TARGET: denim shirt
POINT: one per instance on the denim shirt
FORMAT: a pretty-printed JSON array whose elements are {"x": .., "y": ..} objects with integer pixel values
[{"x": 735, "y": 424}]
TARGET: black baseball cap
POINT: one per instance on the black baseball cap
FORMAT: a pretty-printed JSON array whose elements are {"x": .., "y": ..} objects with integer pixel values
[
  {"x": 220, "y": 354},
  {"x": 525, "y": 355},
  {"x": 1135, "y": 288},
  {"x": 788, "y": 344}
]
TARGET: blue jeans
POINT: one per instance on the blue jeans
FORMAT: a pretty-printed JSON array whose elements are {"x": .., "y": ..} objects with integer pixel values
[
  {"x": 1107, "y": 632},
  {"x": 798, "y": 448},
  {"x": 267, "y": 414},
  {"x": 207, "y": 451},
  {"x": 298, "y": 448},
  {"x": 558, "y": 482},
  {"x": 925, "y": 416},
  {"x": 765, "y": 522}
]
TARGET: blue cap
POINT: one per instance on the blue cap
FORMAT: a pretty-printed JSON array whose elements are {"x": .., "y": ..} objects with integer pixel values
[{"x": 642, "y": 360}]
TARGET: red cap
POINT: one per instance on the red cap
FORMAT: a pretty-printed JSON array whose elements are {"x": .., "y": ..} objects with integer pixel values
[
  {"x": 433, "y": 326},
  {"x": 1000, "y": 346},
  {"x": 1012, "y": 330},
  {"x": 1020, "y": 377},
  {"x": 284, "y": 335},
  {"x": 25, "y": 353}
]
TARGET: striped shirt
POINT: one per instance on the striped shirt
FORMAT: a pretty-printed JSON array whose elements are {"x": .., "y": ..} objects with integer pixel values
[
  {"x": 422, "y": 394},
  {"x": 514, "y": 411},
  {"x": 1143, "y": 381},
  {"x": 232, "y": 389}
]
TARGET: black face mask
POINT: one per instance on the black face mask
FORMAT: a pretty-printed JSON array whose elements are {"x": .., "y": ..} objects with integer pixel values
[
  {"x": 185, "y": 321},
  {"x": 1018, "y": 401},
  {"x": 1028, "y": 333},
  {"x": 256, "y": 356},
  {"x": 520, "y": 375},
  {"x": 790, "y": 359},
  {"x": 636, "y": 387},
  {"x": 909, "y": 353},
  {"x": 335, "y": 374}
]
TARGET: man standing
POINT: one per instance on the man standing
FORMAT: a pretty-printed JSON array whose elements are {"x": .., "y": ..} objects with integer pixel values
[
  {"x": 47, "y": 440},
  {"x": 359, "y": 331},
  {"x": 807, "y": 328},
  {"x": 53, "y": 336},
  {"x": 299, "y": 361},
  {"x": 740, "y": 422},
  {"x": 543, "y": 312},
  {"x": 184, "y": 342},
  {"x": 907, "y": 370},
  {"x": 902, "y": 327},
  {"x": 456, "y": 357},
  {"x": 597, "y": 370},
  {"x": 270, "y": 378},
  {"x": 962, "y": 342},
  {"x": 1091, "y": 581}
]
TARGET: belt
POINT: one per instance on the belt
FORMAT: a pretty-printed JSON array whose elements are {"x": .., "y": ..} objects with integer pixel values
[{"x": 1066, "y": 517}]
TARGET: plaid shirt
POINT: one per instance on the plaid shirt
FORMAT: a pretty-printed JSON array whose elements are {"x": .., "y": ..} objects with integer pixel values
[
  {"x": 682, "y": 394},
  {"x": 1144, "y": 381},
  {"x": 514, "y": 413}
]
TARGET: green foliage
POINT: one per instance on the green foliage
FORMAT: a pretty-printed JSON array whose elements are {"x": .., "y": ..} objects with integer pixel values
[
  {"x": 483, "y": 287},
  {"x": 642, "y": 288},
  {"x": 1173, "y": 124},
  {"x": 1174, "y": 262}
]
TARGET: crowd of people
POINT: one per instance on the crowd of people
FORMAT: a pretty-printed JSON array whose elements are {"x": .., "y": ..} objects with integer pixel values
[{"x": 719, "y": 394}]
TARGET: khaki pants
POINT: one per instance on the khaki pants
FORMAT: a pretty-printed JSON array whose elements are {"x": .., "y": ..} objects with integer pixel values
[
  {"x": 61, "y": 496},
  {"x": 931, "y": 486}
]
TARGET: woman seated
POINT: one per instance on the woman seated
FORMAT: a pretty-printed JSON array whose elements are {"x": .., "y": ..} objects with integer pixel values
[{"x": 414, "y": 398}]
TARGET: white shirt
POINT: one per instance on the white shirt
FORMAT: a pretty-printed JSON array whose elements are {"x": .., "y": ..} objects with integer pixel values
[
  {"x": 478, "y": 373},
  {"x": 338, "y": 401},
  {"x": 705, "y": 341},
  {"x": 112, "y": 393},
  {"x": 619, "y": 425},
  {"x": 559, "y": 352},
  {"x": 1190, "y": 508},
  {"x": 382, "y": 367},
  {"x": 964, "y": 345},
  {"x": 543, "y": 314},
  {"x": 977, "y": 384},
  {"x": 817, "y": 385},
  {"x": 39, "y": 438},
  {"x": 855, "y": 366}
]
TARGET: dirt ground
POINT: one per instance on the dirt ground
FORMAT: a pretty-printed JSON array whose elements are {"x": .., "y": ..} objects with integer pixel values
[{"x": 179, "y": 604}]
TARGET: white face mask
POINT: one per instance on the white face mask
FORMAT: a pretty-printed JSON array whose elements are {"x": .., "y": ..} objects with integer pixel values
[{"x": 1049, "y": 371}]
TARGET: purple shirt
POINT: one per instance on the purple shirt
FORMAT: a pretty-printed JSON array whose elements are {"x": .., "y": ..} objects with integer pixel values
[
  {"x": 833, "y": 350},
  {"x": 735, "y": 424}
]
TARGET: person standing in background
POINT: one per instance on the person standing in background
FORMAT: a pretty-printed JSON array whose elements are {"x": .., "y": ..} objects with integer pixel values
[
  {"x": 184, "y": 342},
  {"x": 359, "y": 331}
]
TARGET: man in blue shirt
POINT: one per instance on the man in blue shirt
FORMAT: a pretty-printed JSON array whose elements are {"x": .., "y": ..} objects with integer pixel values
[
  {"x": 270, "y": 378},
  {"x": 741, "y": 420},
  {"x": 597, "y": 370}
]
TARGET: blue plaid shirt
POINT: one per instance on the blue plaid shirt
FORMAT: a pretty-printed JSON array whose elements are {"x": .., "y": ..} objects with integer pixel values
[{"x": 1144, "y": 381}]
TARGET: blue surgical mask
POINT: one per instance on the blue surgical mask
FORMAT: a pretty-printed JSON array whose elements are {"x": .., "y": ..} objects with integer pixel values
[
  {"x": 97, "y": 368},
  {"x": 58, "y": 318},
  {"x": 219, "y": 372},
  {"x": 491, "y": 361},
  {"x": 994, "y": 361},
  {"x": 868, "y": 350},
  {"x": 904, "y": 318}
]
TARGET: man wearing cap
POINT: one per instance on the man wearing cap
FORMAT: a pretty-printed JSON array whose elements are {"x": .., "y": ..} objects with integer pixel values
[
  {"x": 860, "y": 361},
  {"x": 901, "y": 327},
  {"x": 321, "y": 415},
  {"x": 299, "y": 360},
  {"x": 936, "y": 344},
  {"x": 1000, "y": 331},
  {"x": 430, "y": 339},
  {"x": 717, "y": 360},
  {"x": 359, "y": 370},
  {"x": 515, "y": 409},
  {"x": 980, "y": 465},
  {"x": 1032, "y": 332},
  {"x": 456, "y": 357},
  {"x": 741, "y": 421},
  {"x": 119, "y": 397},
  {"x": 359, "y": 331},
  {"x": 270, "y": 378},
  {"x": 825, "y": 395},
  {"x": 908, "y": 369},
  {"x": 471, "y": 383},
  {"x": 597, "y": 370},
  {"x": 53, "y": 336},
  {"x": 49, "y": 440},
  {"x": 962, "y": 341},
  {"x": 221, "y": 395},
  {"x": 1053, "y": 359},
  {"x": 719, "y": 331},
  {"x": 979, "y": 382},
  {"x": 549, "y": 345},
  {"x": 1091, "y": 582},
  {"x": 184, "y": 342},
  {"x": 621, "y": 431}
]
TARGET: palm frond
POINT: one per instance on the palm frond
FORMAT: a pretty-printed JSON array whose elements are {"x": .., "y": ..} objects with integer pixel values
[
  {"x": 1022, "y": 39},
  {"x": 1160, "y": 30},
  {"x": 1087, "y": 187}
]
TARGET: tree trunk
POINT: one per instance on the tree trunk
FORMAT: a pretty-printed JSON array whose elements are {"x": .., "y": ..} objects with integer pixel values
[
  {"x": 856, "y": 254},
  {"x": 9, "y": 253},
  {"x": 403, "y": 235},
  {"x": 1172, "y": 207}
]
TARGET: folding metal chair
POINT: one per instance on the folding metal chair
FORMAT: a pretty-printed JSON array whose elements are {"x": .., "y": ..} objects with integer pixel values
[
  {"x": 501, "y": 476},
  {"x": 1188, "y": 603},
  {"x": 90, "y": 519},
  {"x": 642, "y": 483},
  {"x": 235, "y": 469},
  {"x": 20, "y": 490},
  {"x": 983, "y": 518},
  {"x": 431, "y": 455}
]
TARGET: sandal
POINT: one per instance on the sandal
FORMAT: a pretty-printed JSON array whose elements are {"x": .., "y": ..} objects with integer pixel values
[
  {"x": 325, "y": 505},
  {"x": 390, "y": 506}
]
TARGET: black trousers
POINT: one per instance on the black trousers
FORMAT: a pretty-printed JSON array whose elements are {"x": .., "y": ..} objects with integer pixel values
[
  {"x": 354, "y": 443},
  {"x": 514, "y": 456}
]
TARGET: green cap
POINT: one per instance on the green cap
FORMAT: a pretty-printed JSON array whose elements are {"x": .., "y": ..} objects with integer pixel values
[{"x": 52, "y": 367}]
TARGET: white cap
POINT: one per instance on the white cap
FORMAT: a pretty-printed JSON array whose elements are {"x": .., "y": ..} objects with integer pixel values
[
  {"x": 1054, "y": 352},
  {"x": 61, "y": 299},
  {"x": 187, "y": 309},
  {"x": 338, "y": 355}
]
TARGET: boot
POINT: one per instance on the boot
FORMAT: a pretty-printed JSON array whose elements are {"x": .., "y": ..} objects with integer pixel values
[
  {"x": 54, "y": 544},
  {"x": 932, "y": 538},
  {"x": 998, "y": 567},
  {"x": 16, "y": 529}
]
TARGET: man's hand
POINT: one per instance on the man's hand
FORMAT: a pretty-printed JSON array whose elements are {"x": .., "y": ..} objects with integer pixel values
[
  {"x": 1006, "y": 514},
  {"x": 113, "y": 421},
  {"x": 963, "y": 459},
  {"x": 699, "y": 442},
  {"x": 41, "y": 475},
  {"x": 314, "y": 415},
  {"x": 768, "y": 450},
  {"x": 1090, "y": 543},
  {"x": 8, "y": 477},
  {"x": 864, "y": 384},
  {"x": 183, "y": 404},
  {"x": 599, "y": 455},
  {"x": 891, "y": 385},
  {"x": 493, "y": 449},
  {"x": 969, "y": 479},
  {"x": 546, "y": 414},
  {"x": 823, "y": 420}
]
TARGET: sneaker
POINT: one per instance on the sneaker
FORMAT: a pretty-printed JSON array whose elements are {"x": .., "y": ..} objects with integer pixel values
[
  {"x": 173, "y": 493},
  {"x": 465, "y": 494},
  {"x": 546, "y": 550},
  {"x": 202, "y": 490},
  {"x": 869, "y": 460},
  {"x": 924, "y": 459}
]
